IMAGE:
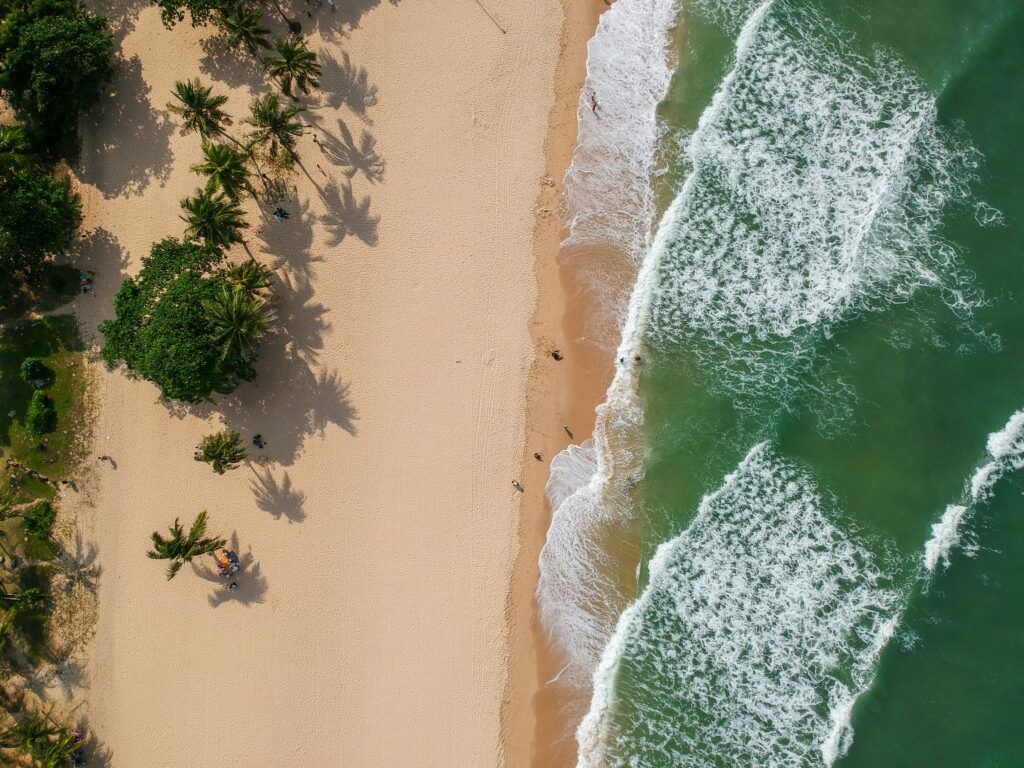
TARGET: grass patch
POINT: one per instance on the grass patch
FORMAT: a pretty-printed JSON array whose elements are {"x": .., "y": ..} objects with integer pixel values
[{"x": 55, "y": 340}]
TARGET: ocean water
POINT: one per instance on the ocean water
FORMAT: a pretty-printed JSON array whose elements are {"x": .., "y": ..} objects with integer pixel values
[{"x": 795, "y": 538}]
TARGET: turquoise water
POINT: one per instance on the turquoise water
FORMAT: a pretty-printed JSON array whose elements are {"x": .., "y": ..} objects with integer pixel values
[{"x": 831, "y": 329}]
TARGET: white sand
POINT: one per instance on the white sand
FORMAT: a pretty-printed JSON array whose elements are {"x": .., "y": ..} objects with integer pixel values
[{"x": 370, "y": 626}]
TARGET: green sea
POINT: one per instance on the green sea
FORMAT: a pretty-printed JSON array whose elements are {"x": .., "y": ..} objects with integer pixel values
[{"x": 813, "y": 438}]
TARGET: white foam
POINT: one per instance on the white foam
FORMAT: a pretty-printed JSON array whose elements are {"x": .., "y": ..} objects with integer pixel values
[
  {"x": 1005, "y": 450},
  {"x": 760, "y": 625},
  {"x": 945, "y": 536},
  {"x": 819, "y": 178},
  {"x": 608, "y": 194},
  {"x": 609, "y": 200}
]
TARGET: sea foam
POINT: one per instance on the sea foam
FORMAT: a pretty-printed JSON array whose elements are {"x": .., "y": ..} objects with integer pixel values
[
  {"x": 1005, "y": 450},
  {"x": 760, "y": 625},
  {"x": 609, "y": 201},
  {"x": 819, "y": 178}
]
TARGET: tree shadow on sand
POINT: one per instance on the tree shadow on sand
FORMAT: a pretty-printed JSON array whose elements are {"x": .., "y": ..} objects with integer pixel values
[
  {"x": 344, "y": 215},
  {"x": 252, "y": 584},
  {"x": 342, "y": 82},
  {"x": 354, "y": 157},
  {"x": 278, "y": 497},
  {"x": 339, "y": 22},
  {"x": 233, "y": 68},
  {"x": 124, "y": 125},
  {"x": 287, "y": 245}
]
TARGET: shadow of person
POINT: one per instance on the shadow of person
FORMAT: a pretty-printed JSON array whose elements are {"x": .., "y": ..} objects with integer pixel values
[
  {"x": 124, "y": 124},
  {"x": 345, "y": 216},
  {"x": 342, "y": 82},
  {"x": 354, "y": 157},
  {"x": 288, "y": 244},
  {"x": 252, "y": 584},
  {"x": 278, "y": 497},
  {"x": 232, "y": 67}
]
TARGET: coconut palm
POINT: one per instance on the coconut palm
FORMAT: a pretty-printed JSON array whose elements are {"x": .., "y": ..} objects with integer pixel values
[
  {"x": 179, "y": 548},
  {"x": 199, "y": 109},
  {"x": 224, "y": 168},
  {"x": 215, "y": 219},
  {"x": 244, "y": 29},
  {"x": 293, "y": 63},
  {"x": 251, "y": 276},
  {"x": 274, "y": 124},
  {"x": 222, "y": 451},
  {"x": 237, "y": 321}
]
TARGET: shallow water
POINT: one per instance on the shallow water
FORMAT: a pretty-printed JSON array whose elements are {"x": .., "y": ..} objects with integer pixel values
[{"x": 828, "y": 316}]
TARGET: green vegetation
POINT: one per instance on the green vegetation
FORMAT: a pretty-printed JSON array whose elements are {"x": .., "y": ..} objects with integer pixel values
[
  {"x": 47, "y": 743},
  {"x": 245, "y": 29},
  {"x": 42, "y": 413},
  {"x": 56, "y": 61},
  {"x": 292, "y": 63},
  {"x": 274, "y": 125},
  {"x": 180, "y": 548},
  {"x": 38, "y": 521},
  {"x": 200, "y": 111},
  {"x": 54, "y": 341},
  {"x": 163, "y": 329},
  {"x": 225, "y": 169},
  {"x": 35, "y": 372},
  {"x": 215, "y": 219},
  {"x": 37, "y": 220},
  {"x": 222, "y": 450}
]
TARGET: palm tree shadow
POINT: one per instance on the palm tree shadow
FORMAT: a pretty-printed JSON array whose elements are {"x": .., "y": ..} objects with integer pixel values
[
  {"x": 342, "y": 82},
  {"x": 353, "y": 157},
  {"x": 278, "y": 498},
  {"x": 143, "y": 132},
  {"x": 97, "y": 754},
  {"x": 234, "y": 68},
  {"x": 345, "y": 216},
  {"x": 252, "y": 584},
  {"x": 288, "y": 244}
]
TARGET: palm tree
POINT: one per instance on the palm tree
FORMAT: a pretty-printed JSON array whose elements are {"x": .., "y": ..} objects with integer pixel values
[
  {"x": 179, "y": 548},
  {"x": 244, "y": 29},
  {"x": 224, "y": 168},
  {"x": 293, "y": 62},
  {"x": 215, "y": 219},
  {"x": 200, "y": 109},
  {"x": 222, "y": 450},
  {"x": 237, "y": 321},
  {"x": 274, "y": 124},
  {"x": 250, "y": 276}
]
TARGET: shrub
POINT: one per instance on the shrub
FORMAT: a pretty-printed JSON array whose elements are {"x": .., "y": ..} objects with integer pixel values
[
  {"x": 38, "y": 521},
  {"x": 42, "y": 415},
  {"x": 37, "y": 373}
]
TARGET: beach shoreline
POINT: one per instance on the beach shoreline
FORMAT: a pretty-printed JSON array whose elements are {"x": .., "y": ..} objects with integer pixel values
[{"x": 565, "y": 392}]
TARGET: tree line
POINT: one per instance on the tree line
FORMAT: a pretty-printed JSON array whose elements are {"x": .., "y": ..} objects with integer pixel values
[{"x": 55, "y": 61}]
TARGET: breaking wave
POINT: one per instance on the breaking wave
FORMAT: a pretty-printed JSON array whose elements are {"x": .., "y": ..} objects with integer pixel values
[{"x": 758, "y": 629}]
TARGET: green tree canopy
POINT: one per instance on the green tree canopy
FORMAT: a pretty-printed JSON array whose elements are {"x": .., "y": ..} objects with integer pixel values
[
  {"x": 56, "y": 61},
  {"x": 37, "y": 218},
  {"x": 162, "y": 332},
  {"x": 200, "y": 11},
  {"x": 274, "y": 124},
  {"x": 292, "y": 63}
]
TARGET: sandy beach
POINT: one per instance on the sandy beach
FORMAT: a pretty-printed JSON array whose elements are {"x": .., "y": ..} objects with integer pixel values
[{"x": 374, "y": 621}]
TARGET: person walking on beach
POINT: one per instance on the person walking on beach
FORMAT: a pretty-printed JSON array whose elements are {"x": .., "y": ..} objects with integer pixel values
[
  {"x": 593, "y": 102},
  {"x": 518, "y": 486},
  {"x": 568, "y": 431},
  {"x": 538, "y": 457},
  {"x": 556, "y": 354}
]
